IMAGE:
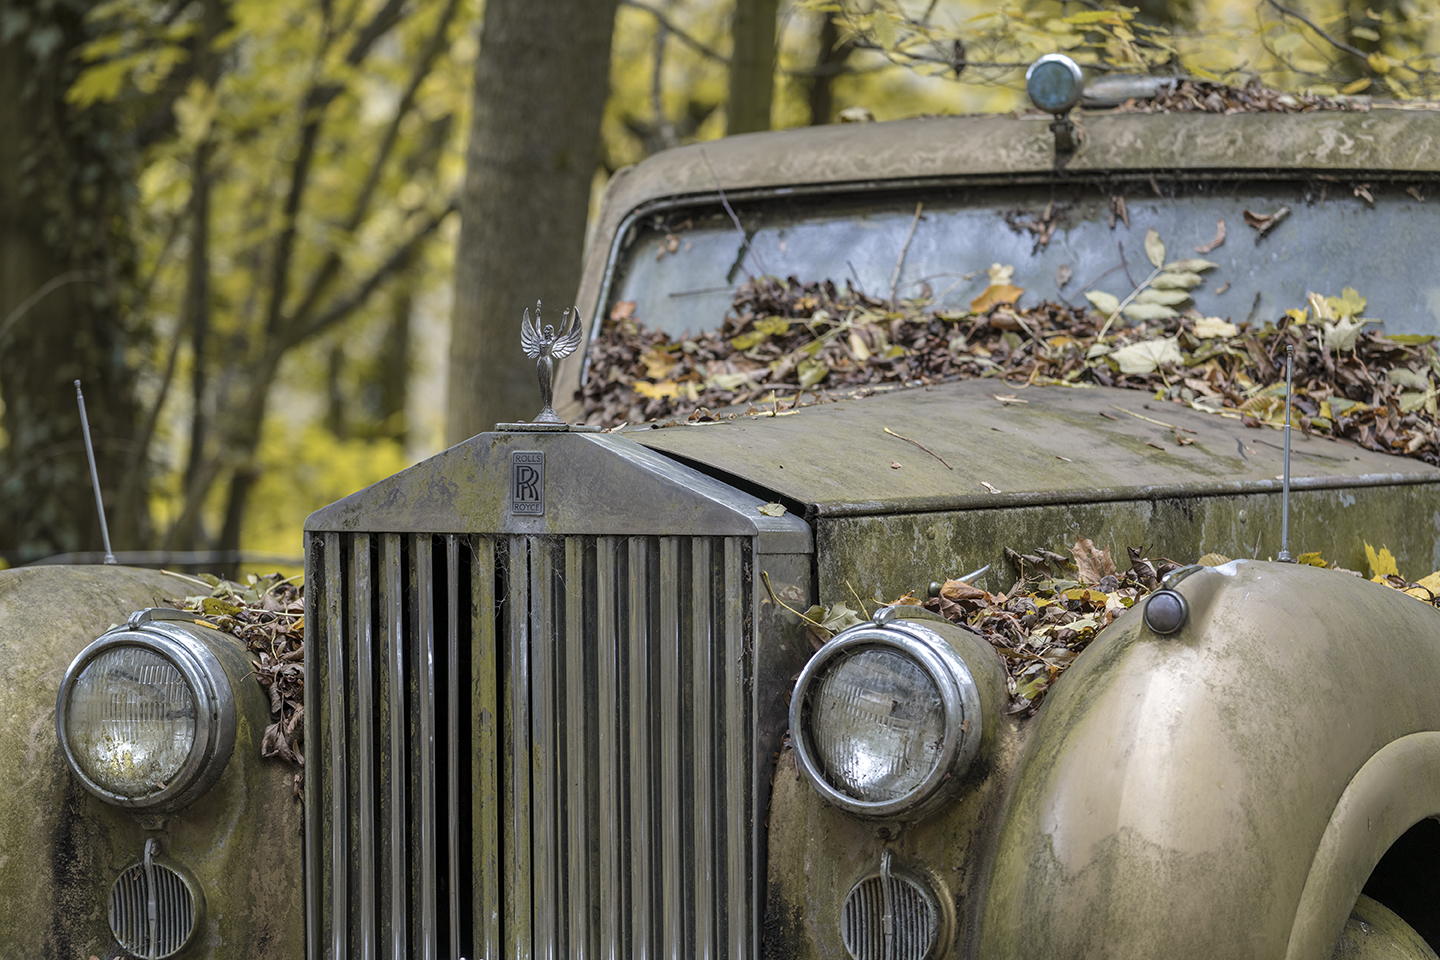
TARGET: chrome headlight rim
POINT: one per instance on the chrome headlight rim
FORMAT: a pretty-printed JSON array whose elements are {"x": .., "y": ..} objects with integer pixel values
[
  {"x": 214, "y": 713},
  {"x": 959, "y": 697}
]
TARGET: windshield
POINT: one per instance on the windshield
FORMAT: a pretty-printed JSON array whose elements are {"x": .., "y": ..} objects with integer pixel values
[{"x": 682, "y": 268}]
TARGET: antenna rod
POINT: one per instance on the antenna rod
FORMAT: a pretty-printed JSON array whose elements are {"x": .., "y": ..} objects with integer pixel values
[
  {"x": 94, "y": 474},
  {"x": 1284, "y": 556}
]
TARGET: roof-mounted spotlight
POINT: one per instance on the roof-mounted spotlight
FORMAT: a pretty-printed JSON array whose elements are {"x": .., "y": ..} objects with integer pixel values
[{"x": 1054, "y": 83}]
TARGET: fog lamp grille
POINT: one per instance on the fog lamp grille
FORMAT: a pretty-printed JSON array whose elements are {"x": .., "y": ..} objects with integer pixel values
[
  {"x": 154, "y": 911},
  {"x": 910, "y": 920}
]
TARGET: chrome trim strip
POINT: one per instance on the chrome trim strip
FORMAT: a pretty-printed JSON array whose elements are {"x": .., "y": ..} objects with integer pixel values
[
  {"x": 339, "y": 774},
  {"x": 485, "y": 792},
  {"x": 670, "y": 731},
  {"x": 363, "y": 635},
  {"x": 702, "y": 789},
  {"x": 452, "y": 736},
  {"x": 737, "y": 759},
  {"x": 517, "y": 721},
  {"x": 422, "y": 593},
  {"x": 543, "y": 815},
  {"x": 609, "y": 770},
  {"x": 392, "y": 610},
  {"x": 577, "y": 872},
  {"x": 641, "y": 778}
]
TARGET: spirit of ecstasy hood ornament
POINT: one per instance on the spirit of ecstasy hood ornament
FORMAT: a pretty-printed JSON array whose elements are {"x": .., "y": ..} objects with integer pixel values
[{"x": 548, "y": 347}]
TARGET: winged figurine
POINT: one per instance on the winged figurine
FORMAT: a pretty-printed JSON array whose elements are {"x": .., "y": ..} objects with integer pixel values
[{"x": 548, "y": 347}]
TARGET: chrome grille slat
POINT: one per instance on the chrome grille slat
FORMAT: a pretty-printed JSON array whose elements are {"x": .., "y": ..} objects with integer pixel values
[
  {"x": 543, "y": 798},
  {"x": 563, "y": 764},
  {"x": 577, "y": 853},
  {"x": 517, "y": 891},
  {"x": 422, "y": 620}
]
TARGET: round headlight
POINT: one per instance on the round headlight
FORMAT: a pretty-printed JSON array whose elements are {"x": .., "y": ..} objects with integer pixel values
[
  {"x": 145, "y": 717},
  {"x": 1054, "y": 83},
  {"x": 885, "y": 718}
]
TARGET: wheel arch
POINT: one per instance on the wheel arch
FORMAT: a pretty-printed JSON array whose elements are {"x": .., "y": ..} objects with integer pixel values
[{"x": 1398, "y": 787}]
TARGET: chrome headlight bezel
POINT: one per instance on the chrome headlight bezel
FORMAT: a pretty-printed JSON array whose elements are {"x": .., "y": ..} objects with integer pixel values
[
  {"x": 210, "y": 687},
  {"x": 959, "y": 698}
]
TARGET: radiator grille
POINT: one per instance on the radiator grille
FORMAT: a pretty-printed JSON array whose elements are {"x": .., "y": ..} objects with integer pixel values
[
  {"x": 152, "y": 911},
  {"x": 530, "y": 746}
]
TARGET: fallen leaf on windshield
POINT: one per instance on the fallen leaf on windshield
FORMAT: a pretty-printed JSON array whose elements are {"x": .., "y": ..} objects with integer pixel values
[
  {"x": 1264, "y": 223},
  {"x": 1148, "y": 355},
  {"x": 1154, "y": 248},
  {"x": 994, "y": 295},
  {"x": 1219, "y": 239},
  {"x": 773, "y": 509},
  {"x": 1207, "y": 328},
  {"x": 1106, "y": 303}
]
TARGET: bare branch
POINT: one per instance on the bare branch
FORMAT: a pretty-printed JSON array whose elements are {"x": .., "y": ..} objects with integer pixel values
[
  {"x": 681, "y": 35},
  {"x": 380, "y": 24},
  {"x": 331, "y": 266},
  {"x": 1339, "y": 45},
  {"x": 355, "y": 300}
]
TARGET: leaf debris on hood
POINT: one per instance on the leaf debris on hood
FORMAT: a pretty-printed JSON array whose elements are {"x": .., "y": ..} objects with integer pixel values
[
  {"x": 268, "y": 615},
  {"x": 787, "y": 343}
]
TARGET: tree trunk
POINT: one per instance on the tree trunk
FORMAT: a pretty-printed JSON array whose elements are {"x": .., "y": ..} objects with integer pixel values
[
  {"x": 830, "y": 58},
  {"x": 540, "y": 86},
  {"x": 64, "y": 260},
  {"x": 752, "y": 65}
]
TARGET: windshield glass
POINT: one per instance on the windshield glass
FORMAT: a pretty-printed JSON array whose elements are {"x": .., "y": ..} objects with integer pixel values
[{"x": 682, "y": 268}]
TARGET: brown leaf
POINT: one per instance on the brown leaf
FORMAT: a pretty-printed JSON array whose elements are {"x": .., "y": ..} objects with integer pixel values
[
  {"x": 960, "y": 590},
  {"x": 994, "y": 295},
  {"x": 1264, "y": 223},
  {"x": 1219, "y": 239},
  {"x": 1093, "y": 563}
]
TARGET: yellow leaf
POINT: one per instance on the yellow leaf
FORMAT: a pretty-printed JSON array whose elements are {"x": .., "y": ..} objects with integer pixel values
[
  {"x": 1355, "y": 86},
  {"x": 1312, "y": 559},
  {"x": 1299, "y": 316},
  {"x": 1378, "y": 62},
  {"x": 1207, "y": 328},
  {"x": 995, "y": 294},
  {"x": 1154, "y": 248},
  {"x": 658, "y": 364},
  {"x": 1382, "y": 563},
  {"x": 656, "y": 391},
  {"x": 1431, "y": 583},
  {"x": 884, "y": 29},
  {"x": 772, "y": 509}
]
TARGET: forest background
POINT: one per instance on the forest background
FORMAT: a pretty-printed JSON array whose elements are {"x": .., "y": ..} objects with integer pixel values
[{"x": 285, "y": 244}]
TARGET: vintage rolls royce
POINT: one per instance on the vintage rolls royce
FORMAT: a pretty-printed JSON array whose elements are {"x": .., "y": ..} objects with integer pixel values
[{"x": 561, "y": 698}]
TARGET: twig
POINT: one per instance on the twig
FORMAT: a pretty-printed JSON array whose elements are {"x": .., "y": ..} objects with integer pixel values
[
  {"x": 765, "y": 578},
  {"x": 50, "y": 286},
  {"x": 1123, "y": 265},
  {"x": 1126, "y": 302},
  {"x": 921, "y": 446},
  {"x": 725, "y": 202},
  {"x": 1339, "y": 45},
  {"x": 1158, "y": 423},
  {"x": 900, "y": 261},
  {"x": 856, "y": 594},
  {"x": 680, "y": 35}
]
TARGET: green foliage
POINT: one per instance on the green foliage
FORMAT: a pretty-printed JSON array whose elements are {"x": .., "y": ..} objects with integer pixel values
[{"x": 297, "y": 157}]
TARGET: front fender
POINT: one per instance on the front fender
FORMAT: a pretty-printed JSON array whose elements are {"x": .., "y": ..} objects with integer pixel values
[
  {"x": 1186, "y": 795},
  {"x": 62, "y": 848}
]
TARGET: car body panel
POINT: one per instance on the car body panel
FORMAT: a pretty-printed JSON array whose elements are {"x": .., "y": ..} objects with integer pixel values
[{"x": 61, "y": 848}]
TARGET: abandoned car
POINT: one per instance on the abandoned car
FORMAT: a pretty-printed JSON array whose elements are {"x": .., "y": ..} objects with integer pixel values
[{"x": 566, "y": 690}]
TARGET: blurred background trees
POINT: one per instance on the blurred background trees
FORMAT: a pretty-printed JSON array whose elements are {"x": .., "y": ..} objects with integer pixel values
[{"x": 247, "y": 225}]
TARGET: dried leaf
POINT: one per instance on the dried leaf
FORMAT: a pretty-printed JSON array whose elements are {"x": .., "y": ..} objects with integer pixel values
[
  {"x": 1177, "y": 280},
  {"x": 1106, "y": 303},
  {"x": 1219, "y": 239},
  {"x": 1147, "y": 355},
  {"x": 1093, "y": 563},
  {"x": 994, "y": 295},
  {"x": 1154, "y": 248},
  {"x": 1149, "y": 311},
  {"x": 1382, "y": 563},
  {"x": 1208, "y": 328},
  {"x": 772, "y": 509},
  {"x": 1264, "y": 223}
]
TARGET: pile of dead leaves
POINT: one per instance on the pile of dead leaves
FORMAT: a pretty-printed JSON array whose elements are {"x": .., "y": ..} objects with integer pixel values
[
  {"x": 268, "y": 615},
  {"x": 1040, "y": 625},
  {"x": 789, "y": 342},
  {"x": 1204, "y": 96}
]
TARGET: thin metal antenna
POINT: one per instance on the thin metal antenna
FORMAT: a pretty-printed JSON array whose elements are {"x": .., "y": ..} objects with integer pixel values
[
  {"x": 1284, "y": 556},
  {"x": 94, "y": 474}
]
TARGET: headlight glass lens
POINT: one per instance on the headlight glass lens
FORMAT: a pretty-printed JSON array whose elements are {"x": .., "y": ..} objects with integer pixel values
[
  {"x": 131, "y": 721},
  {"x": 878, "y": 724}
]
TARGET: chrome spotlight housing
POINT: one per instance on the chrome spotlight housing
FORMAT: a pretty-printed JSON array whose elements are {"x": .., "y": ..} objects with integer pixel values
[
  {"x": 1054, "y": 83},
  {"x": 145, "y": 715},
  {"x": 886, "y": 719}
]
